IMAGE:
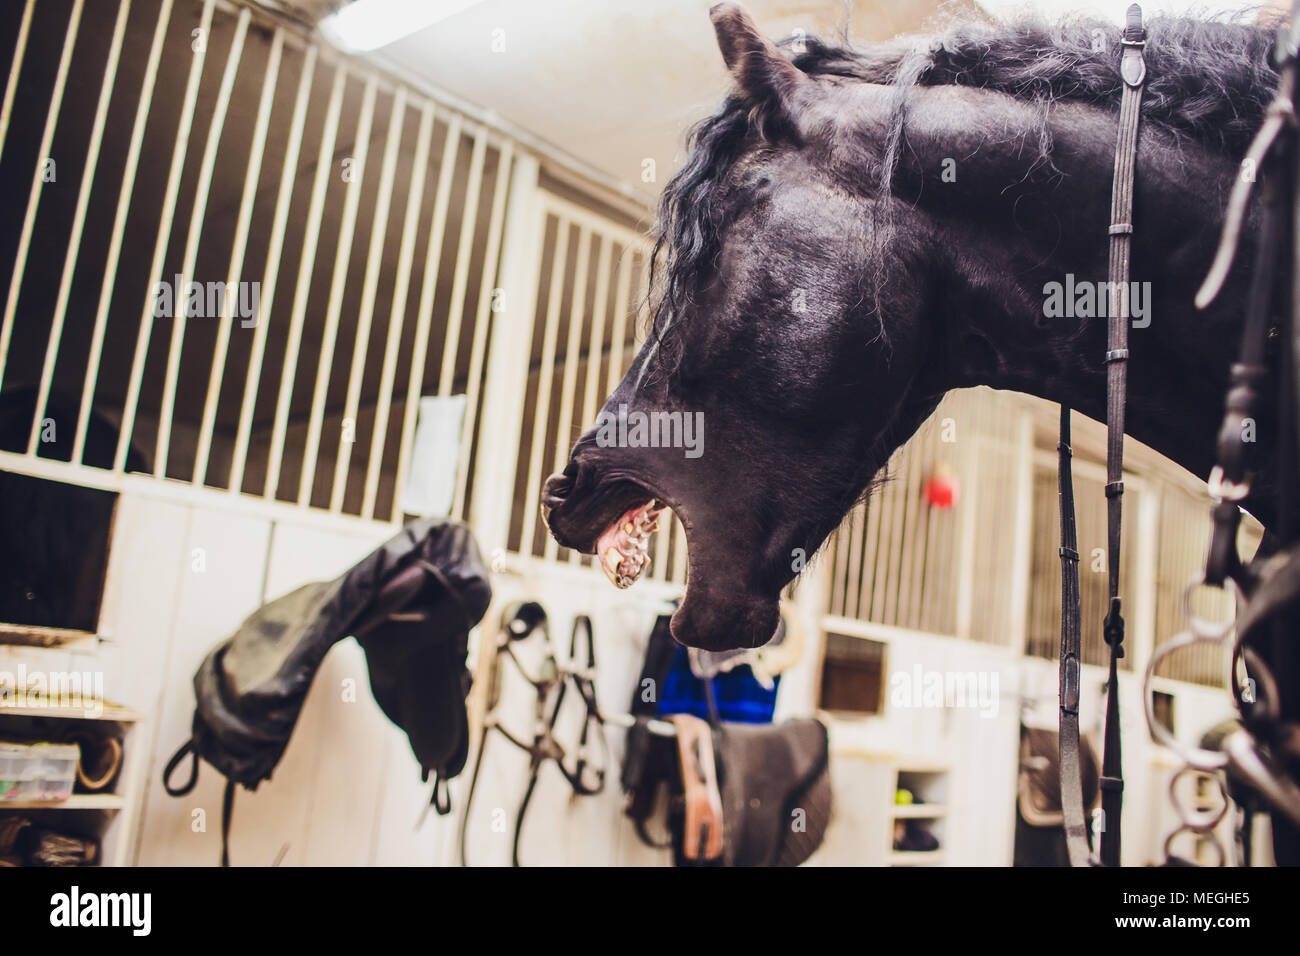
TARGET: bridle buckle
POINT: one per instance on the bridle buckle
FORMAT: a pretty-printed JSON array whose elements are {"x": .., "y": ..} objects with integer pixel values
[{"x": 1222, "y": 489}]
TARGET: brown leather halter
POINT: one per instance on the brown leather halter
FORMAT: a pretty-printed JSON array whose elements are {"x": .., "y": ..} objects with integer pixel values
[{"x": 1133, "y": 73}]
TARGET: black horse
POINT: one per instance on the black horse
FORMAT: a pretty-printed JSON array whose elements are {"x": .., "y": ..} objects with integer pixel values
[{"x": 856, "y": 233}]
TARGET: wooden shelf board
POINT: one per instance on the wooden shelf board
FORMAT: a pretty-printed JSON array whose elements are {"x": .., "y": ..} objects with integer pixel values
[
  {"x": 106, "y": 711},
  {"x": 919, "y": 811},
  {"x": 78, "y": 801},
  {"x": 35, "y": 636},
  {"x": 915, "y": 858}
]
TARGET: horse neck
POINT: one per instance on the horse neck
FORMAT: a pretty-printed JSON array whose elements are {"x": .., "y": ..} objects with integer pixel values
[{"x": 1008, "y": 225}]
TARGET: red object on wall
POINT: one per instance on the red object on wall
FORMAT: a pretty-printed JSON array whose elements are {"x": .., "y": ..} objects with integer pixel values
[{"x": 941, "y": 489}]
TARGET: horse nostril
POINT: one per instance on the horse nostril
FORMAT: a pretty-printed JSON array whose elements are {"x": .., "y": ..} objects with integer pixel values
[{"x": 555, "y": 490}]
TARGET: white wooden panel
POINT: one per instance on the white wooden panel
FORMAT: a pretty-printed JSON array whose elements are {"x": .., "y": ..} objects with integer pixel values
[{"x": 210, "y": 604}]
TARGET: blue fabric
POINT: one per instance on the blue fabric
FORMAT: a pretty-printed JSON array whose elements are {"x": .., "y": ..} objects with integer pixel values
[{"x": 741, "y": 698}]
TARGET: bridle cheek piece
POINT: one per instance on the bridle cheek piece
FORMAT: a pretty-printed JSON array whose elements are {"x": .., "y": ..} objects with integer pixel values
[{"x": 1133, "y": 72}]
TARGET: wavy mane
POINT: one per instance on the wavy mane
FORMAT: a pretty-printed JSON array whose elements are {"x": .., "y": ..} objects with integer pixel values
[{"x": 1209, "y": 81}]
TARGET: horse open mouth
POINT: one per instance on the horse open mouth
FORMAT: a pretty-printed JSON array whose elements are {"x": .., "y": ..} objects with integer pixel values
[
  {"x": 622, "y": 550},
  {"x": 609, "y": 515}
]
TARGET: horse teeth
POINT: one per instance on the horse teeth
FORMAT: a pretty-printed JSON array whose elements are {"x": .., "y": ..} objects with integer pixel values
[{"x": 611, "y": 563}]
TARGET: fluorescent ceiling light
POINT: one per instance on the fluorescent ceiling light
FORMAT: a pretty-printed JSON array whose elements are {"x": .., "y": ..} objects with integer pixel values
[{"x": 366, "y": 25}]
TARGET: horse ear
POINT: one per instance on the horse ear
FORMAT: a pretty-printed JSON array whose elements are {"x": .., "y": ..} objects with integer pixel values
[{"x": 755, "y": 64}]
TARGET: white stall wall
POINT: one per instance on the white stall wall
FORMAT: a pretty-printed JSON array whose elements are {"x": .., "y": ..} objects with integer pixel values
[
  {"x": 182, "y": 576},
  {"x": 347, "y": 790}
]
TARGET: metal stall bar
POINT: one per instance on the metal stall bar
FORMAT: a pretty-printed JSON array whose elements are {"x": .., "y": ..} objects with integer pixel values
[
  {"x": 234, "y": 271},
  {"x": 302, "y": 289},
  {"x": 15, "y": 71},
  {"x": 428, "y": 288},
  {"x": 569, "y": 383},
  {"x": 618, "y": 337},
  {"x": 369, "y": 288},
  {"x": 460, "y": 279},
  {"x": 478, "y": 349},
  {"x": 397, "y": 314},
  {"x": 34, "y": 194},
  {"x": 680, "y": 552},
  {"x": 109, "y": 281},
  {"x": 663, "y": 547},
  {"x": 599, "y": 314},
  {"x": 505, "y": 380},
  {"x": 78, "y": 223},
  {"x": 179, "y": 149},
  {"x": 542, "y": 406},
  {"x": 181, "y": 301},
  {"x": 271, "y": 271},
  {"x": 342, "y": 259}
]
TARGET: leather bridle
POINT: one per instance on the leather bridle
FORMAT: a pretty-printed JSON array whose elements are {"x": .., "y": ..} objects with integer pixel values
[
  {"x": 1133, "y": 74},
  {"x": 585, "y": 768}
]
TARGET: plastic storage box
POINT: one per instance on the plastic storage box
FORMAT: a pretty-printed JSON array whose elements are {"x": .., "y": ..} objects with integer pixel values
[
  {"x": 58, "y": 770},
  {"x": 15, "y": 769},
  {"x": 37, "y": 771}
]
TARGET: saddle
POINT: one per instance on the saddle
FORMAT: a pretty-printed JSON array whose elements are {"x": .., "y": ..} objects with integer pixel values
[
  {"x": 738, "y": 794},
  {"x": 410, "y": 604},
  {"x": 1039, "y": 783}
]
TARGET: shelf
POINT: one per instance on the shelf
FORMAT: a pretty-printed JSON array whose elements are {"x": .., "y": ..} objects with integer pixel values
[
  {"x": 78, "y": 801},
  {"x": 915, "y": 858},
  {"x": 105, "y": 712},
  {"x": 919, "y": 811},
  {"x": 35, "y": 636},
  {"x": 921, "y": 768}
]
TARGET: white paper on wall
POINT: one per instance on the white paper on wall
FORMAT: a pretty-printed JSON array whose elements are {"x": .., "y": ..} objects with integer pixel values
[{"x": 435, "y": 456}]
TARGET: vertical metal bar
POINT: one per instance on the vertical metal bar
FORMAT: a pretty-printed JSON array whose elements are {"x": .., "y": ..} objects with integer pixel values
[
  {"x": 839, "y": 599},
  {"x": 160, "y": 243},
  {"x": 641, "y": 326},
  {"x": 618, "y": 337},
  {"x": 15, "y": 71},
  {"x": 369, "y": 287},
  {"x": 302, "y": 289},
  {"x": 1022, "y": 542},
  {"x": 541, "y": 410},
  {"x": 34, "y": 194},
  {"x": 119, "y": 227},
  {"x": 599, "y": 313},
  {"x": 424, "y": 315},
  {"x": 271, "y": 271},
  {"x": 464, "y": 249},
  {"x": 481, "y": 322},
  {"x": 397, "y": 315},
  {"x": 342, "y": 259},
  {"x": 1147, "y": 566},
  {"x": 679, "y": 546},
  {"x": 78, "y": 223},
  {"x": 235, "y": 270},
  {"x": 661, "y": 549},
  {"x": 853, "y": 531},
  {"x": 505, "y": 381},
  {"x": 874, "y": 509},
  {"x": 569, "y": 383},
  {"x": 599, "y": 317},
  {"x": 197, "y": 215},
  {"x": 969, "y": 476}
]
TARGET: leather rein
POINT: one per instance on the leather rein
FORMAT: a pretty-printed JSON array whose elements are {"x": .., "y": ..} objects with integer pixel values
[{"x": 1133, "y": 73}]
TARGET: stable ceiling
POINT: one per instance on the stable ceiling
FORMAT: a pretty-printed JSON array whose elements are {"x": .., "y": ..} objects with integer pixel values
[{"x": 615, "y": 82}]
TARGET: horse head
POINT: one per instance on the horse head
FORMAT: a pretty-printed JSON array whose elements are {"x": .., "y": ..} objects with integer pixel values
[
  {"x": 821, "y": 281},
  {"x": 772, "y": 359}
]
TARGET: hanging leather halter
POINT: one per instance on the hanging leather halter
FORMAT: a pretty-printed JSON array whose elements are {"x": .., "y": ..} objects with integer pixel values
[{"x": 1133, "y": 73}]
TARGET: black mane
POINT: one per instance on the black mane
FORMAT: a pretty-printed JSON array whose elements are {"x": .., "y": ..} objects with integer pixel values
[{"x": 1209, "y": 81}]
